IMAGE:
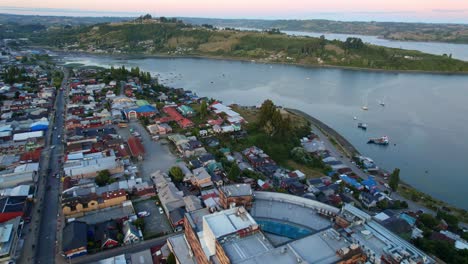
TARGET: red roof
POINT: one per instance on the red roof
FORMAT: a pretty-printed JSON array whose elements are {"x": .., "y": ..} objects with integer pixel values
[
  {"x": 9, "y": 215},
  {"x": 175, "y": 116},
  {"x": 136, "y": 148},
  {"x": 113, "y": 194},
  {"x": 34, "y": 155}
]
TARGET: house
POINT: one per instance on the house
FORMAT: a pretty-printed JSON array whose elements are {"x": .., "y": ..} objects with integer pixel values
[
  {"x": 12, "y": 207},
  {"x": 236, "y": 195},
  {"x": 192, "y": 203},
  {"x": 164, "y": 129},
  {"x": 142, "y": 111},
  {"x": 130, "y": 232},
  {"x": 74, "y": 239},
  {"x": 136, "y": 148},
  {"x": 10, "y": 237},
  {"x": 173, "y": 115},
  {"x": 77, "y": 205},
  {"x": 201, "y": 178},
  {"x": 104, "y": 234},
  {"x": 368, "y": 199},
  {"x": 186, "y": 110},
  {"x": 176, "y": 217}
]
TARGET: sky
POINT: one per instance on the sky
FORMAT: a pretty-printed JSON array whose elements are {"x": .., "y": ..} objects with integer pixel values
[{"x": 450, "y": 11}]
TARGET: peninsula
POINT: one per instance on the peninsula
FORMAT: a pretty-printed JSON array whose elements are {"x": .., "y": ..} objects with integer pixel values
[{"x": 172, "y": 37}]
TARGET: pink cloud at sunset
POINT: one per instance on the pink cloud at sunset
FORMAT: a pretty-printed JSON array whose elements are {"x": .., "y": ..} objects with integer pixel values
[{"x": 415, "y": 9}]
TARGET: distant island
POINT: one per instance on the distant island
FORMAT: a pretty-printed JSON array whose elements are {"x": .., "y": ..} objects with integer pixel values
[
  {"x": 172, "y": 37},
  {"x": 451, "y": 33}
]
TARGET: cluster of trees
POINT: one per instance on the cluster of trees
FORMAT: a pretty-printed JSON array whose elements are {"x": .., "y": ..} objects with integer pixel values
[
  {"x": 272, "y": 122},
  {"x": 353, "y": 43},
  {"x": 122, "y": 73},
  {"x": 15, "y": 74},
  {"x": 442, "y": 249},
  {"x": 300, "y": 155},
  {"x": 395, "y": 205}
]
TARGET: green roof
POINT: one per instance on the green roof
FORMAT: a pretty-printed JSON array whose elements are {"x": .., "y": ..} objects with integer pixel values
[
  {"x": 142, "y": 102},
  {"x": 185, "y": 109},
  {"x": 225, "y": 150}
]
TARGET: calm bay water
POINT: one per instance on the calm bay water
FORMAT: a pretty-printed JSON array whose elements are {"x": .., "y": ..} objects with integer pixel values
[{"x": 426, "y": 115}]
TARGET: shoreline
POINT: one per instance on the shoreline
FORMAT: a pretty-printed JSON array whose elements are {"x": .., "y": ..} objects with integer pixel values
[
  {"x": 345, "y": 145},
  {"x": 228, "y": 58}
]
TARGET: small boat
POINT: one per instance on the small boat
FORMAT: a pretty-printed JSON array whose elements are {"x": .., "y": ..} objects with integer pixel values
[
  {"x": 379, "y": 141},
  {"x": 355, "y": 118},
  {"x": 382, "y": 103},
  {"x": 365, "y": 108},
  {"x": 362, "y": 126}
]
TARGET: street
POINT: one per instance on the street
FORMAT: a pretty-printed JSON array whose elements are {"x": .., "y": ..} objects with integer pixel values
[{"x": 47, "y": 245}]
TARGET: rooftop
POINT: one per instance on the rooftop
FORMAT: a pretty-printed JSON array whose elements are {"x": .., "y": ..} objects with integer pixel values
[
  {"x": 228, "y": 221},
  {"x": 237, "y": 190}
]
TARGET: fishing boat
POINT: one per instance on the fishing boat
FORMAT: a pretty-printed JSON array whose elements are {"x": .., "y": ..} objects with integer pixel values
[
  {"x": 362, "y": 126},
  {"x": 379, "y": 141},
  {"x": 365, "y": 108}
]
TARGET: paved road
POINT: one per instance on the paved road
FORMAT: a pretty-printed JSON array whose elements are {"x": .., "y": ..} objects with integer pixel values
[
  {"x": 121, "y": 250},
  {"x": 46, "y": 248}
]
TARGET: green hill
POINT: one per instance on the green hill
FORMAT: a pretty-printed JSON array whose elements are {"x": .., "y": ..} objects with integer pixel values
[{"x": 172, "y": 37}]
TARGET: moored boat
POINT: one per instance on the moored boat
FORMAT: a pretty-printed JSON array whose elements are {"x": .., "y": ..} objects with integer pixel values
[
  {"x": 362, "y": 126},
  {"x": 379, "y": 141}
]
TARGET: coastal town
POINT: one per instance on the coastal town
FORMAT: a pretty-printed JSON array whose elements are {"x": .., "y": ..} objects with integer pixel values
[{"x": 107, "y": 165}]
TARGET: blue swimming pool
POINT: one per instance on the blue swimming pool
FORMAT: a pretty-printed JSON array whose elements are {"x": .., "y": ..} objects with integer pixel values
[{"x": 283, "y": 229}]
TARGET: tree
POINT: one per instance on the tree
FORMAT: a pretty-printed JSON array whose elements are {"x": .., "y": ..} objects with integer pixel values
[
  {"x": 171, "y": 259},
  {"x": 234, "y": 173},
  {"x": 428, "y": 221},
  {"x": 394, "y": 179},
  {"x": 176, "y": 174},
  {"x": 203, "y": 109},
  {"x": 103, "y": 178}
]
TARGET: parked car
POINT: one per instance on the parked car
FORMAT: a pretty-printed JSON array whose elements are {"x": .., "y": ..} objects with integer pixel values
[
  {"x": 143, "y": 214},
  {"x": 161, "y": 211}
]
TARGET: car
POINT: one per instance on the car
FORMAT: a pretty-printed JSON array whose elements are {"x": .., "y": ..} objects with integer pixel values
[
  {"x": 52, "y": 147},
  {"x": 55, "y": 128},
  {"x": 161, "y": 211},
  {"x": 58, "y": 136},
  {"x": 143, "y": 214}
]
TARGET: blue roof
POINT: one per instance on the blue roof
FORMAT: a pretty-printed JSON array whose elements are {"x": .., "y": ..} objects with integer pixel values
[
  {"x": 370, "y": 183},
  {"x": 39, "y": 127},
  {"x": 409, "y": 219},
  {"x": 351, "y": 181},
  {"x": 144, "y": 109}
]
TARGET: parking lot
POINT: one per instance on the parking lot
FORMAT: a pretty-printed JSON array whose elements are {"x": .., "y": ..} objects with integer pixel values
[
  {"x": 158, "y": 156},
  {"x": 156, "y": 223}
]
